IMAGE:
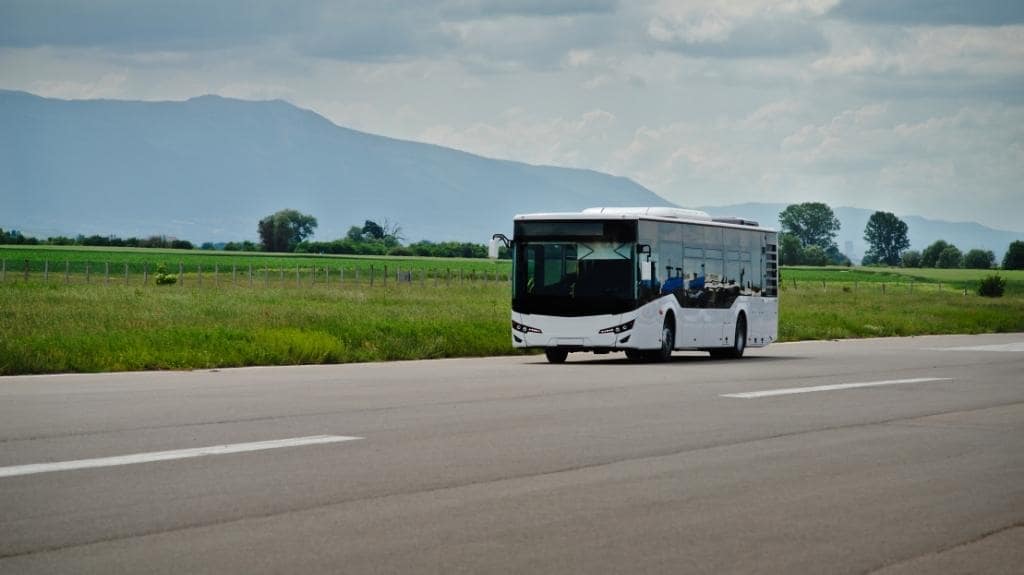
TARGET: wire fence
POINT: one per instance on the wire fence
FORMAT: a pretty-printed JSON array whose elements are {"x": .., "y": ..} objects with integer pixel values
[
  {"x": 794, "y": 285},
  {"x": 233, "y": 275}
]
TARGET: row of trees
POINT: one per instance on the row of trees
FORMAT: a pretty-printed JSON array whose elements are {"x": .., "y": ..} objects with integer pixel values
[
  {"x": 287, "y": 230},
  {"x": 14, "y": 237},
  {"x": 809, "y": 231},
  {"x": 941, "y": 254}
]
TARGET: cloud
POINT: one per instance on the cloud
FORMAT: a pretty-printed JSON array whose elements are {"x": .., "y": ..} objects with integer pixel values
[
  {"x": 753, "y": 29},
  {"x": 518, "y": 134},
  {"x": 931, "y": 12}
]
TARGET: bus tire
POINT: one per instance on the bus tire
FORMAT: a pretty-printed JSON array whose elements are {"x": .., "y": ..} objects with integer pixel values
[
  {"x": 556, "y": 355},
  {"x": 635, "y": 355},
  {"x": 739, "y": 342},
  {"x": 668, "y": 341}
]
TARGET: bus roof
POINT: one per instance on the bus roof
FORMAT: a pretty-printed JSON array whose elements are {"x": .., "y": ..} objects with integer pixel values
[{"x": 649, "y": 213}]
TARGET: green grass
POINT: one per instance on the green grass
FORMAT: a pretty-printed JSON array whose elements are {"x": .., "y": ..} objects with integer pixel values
[
  {"x": 56, "y": 328},
  {"x": 52, "y": 327},
  {"x": 955, "y": 279}
]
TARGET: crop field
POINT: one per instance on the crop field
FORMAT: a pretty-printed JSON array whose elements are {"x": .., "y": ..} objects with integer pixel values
[
  {"x": 82, "y": 263},
  {"x": 47, "y": 326}
]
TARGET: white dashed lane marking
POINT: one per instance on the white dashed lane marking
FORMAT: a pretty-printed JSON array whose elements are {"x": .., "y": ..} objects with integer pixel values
[
  {"x": 838, "y": 386},
  {"x": 169, "y": 455}
]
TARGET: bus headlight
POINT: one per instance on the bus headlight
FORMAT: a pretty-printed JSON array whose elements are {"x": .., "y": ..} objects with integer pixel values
[
  {"x": 619, "y": 328},
  {"x": 524, "y": 328}
]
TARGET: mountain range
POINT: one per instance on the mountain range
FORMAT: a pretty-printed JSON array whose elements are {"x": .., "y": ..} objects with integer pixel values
[{"x": 208, "y": 168}]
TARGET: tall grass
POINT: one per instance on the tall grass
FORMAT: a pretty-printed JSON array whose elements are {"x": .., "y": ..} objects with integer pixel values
[{"x": 47, "y": 328}]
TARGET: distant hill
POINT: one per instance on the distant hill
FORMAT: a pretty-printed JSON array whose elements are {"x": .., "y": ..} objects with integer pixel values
[
  {"x": 207, "y": 169},
  {"x": 922, "y": 231}
]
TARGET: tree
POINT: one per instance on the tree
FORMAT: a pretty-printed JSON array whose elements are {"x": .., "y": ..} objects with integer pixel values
[
  {"x": 950, "y": 258},
  {"x": 372, "y": 230},
  {"x": 282, "y": 231},
  {"x": 887, "y": 237},
  {"x": 813, "y": 223},
  {"x": 1014, "y": 258},
  {"x": 910, "y": 259},
  {"x": 930, "y": 255},
  {"x": 979, "y": 259},
  {"x": 790, "y": 250}
]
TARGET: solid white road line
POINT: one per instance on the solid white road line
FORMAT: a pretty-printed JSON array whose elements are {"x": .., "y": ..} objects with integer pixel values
[
  {"x": 167, "y": 455},
  {"x": 794, "y": 390},
  {"x": 1011, "y": 347}
]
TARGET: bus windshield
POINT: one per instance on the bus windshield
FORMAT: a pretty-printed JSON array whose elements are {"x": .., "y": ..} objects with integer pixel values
[{"x": 565, "y": 278}]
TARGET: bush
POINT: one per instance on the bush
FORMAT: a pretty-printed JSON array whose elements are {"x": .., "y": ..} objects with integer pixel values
[
  {"x": 164, "y": 278},
  {"x": 815, "y": 256},
  {"x": 992, "y": 286},
  {"x": 910, "y": 259}
]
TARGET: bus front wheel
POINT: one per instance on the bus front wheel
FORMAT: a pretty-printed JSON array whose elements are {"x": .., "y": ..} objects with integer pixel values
[{"x": 556, "y": 355}]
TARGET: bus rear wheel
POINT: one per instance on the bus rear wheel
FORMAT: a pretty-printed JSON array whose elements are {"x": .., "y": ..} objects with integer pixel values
[
  {"x": 556, "y": 355},
  {"x": 739, "y": 342}
]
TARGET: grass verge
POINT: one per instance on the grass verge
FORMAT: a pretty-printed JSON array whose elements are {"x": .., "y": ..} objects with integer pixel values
[{"x": 52, "y": 328}]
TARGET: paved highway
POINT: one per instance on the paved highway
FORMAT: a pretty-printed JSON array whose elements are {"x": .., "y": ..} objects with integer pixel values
[{"x": 874, "y": 456}]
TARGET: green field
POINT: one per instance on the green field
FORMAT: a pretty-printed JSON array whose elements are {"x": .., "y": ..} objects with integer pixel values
[
  {"x": 77, "y": 259},
  {"x": 48, "y": 327},
  {"x": 802, "y": 276}
]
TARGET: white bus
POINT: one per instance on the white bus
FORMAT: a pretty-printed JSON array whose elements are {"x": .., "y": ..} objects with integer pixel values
[{"x": 646, "y": 281}]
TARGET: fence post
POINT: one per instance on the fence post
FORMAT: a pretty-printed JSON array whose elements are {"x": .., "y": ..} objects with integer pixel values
[
  {"x": 371, "y": 276},
  {"x": 266, "y": 275},
  {"x": 106, "y": 273},
  {"x": 250, "y": 275},
  {"x": 67, "y": 269},
  {"x": 357, "y": 277},
  {"x": 385, "y": 276},
  {"x": 234, "y": 270},
  {"x": 296, "y": 275},
  {"x": 181, "y": 274},
  {"x": 145, "y": 273},
  {"x": 125, "y": 274},
  {"x": 199, "y": 274},
  {"x": 327, "y": 276},
  {"x": 46, "y": 271},
  {"x": 216, "y": 275}
]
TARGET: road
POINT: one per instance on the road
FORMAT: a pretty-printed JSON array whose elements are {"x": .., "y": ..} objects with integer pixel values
[{"x": 513, "y": 465}]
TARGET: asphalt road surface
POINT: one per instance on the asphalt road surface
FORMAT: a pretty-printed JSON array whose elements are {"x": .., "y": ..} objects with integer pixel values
[{"x": 774, "y": 463}]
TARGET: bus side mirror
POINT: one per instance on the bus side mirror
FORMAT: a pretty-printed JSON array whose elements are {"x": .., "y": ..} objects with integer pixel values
[
  {"x": 646, "y": 271},
  {"x": 496, "y": 241}
]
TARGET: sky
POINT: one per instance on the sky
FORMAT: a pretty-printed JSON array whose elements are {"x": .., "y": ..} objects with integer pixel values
[{"x": 909, "y": 106}]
